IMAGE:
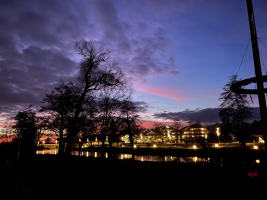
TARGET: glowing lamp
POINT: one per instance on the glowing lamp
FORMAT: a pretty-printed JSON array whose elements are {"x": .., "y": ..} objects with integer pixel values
[
  {"x": 216, "y": 145},
  {"x": 217, "y": 131},
  {"x": 255, "y": 147},
  {"x": 134, "y": 146},
  {"x": 257, "y": 161},
  {"x": 194, "y": 147},
  {"x": 154, "y": 145}
]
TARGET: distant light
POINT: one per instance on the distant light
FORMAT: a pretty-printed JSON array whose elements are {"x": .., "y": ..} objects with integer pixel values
[
  {"x": 194, "y": 147},
  {"x": 134, "y": 146},
  {"x": 257, "y": 161},
  {"x": 216, "y": 145},
  {"x": 255, "y": 147},
  {"x": 217, "y": 131},
  {"x": 43, "y": 142},
  {"x": 56, "y": 141},
  {"x": 195, "y": 159},
  {"x": 38, "y": 142},
  {"x": 154, "y": 145},
  {"x": 82, "y": 146}
]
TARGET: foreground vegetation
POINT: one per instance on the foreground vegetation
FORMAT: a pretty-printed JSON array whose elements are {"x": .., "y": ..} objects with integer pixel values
[{"x": 81, "y": 177}]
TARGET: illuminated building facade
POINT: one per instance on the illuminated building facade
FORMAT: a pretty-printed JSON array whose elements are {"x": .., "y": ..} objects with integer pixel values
[{"x": 193, "y": 132}]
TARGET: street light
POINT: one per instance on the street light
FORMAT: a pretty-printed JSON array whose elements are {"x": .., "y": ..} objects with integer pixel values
[{"x": 218, "y": 133}]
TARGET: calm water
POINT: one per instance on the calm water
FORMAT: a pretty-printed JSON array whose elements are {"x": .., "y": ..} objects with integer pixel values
[{"x": 211, "y": 161}]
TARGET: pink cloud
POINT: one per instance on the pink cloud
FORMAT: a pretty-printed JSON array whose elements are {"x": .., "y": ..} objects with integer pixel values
[{"x": 167, "y": 93}]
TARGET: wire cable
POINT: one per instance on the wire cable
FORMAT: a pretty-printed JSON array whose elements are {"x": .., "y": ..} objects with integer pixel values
[
  {"x": 261, "y": 57},
  {"x": 263, "y": 63},
  {"x": 262, "y": 43},
  {"x": 243, "y": 56}
]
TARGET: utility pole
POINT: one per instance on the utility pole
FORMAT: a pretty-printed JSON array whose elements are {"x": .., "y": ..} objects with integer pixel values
[{"x": 258, "y": 73}]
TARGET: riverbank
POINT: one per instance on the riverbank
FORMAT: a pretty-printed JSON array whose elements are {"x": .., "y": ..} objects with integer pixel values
[{"x": 57, "y": 177}]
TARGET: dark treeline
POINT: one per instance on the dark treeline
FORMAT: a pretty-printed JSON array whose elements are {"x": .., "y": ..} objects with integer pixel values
[
  {"x": 96, "y": 102},
  {"x": 236, "y": 112}
]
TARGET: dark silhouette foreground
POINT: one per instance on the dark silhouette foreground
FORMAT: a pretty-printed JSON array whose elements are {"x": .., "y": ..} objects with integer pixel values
[{"x": 54, "y": 177}]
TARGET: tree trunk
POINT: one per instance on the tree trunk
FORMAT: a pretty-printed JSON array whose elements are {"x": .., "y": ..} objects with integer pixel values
[
  {"x": 70, "y": 139},
  {"x": 242, "y": 125},
  {"x": 73, "y": 130},
  {"x": 79, "y": 148}
]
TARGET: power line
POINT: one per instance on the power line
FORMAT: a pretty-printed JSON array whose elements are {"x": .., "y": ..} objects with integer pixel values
[
  {"x": 243, "y": 56},
  {"x": 261, "y": 57},
  {"x": 263, "y": 63},
  {"x": 262, "y": 43}
]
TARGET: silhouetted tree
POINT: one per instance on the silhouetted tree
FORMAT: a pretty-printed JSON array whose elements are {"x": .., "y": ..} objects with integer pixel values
[
  {"x": 226, "y": 124},
  {"x": 193, "y": 121},
  {"x": 61, "y": 105},
  {"x": 42, "y": 123},
  {"x": 236, "y": 108},
  {"x": 130, "y": 118},
  {"x": 111, "y": 107},
  {"x": 177, "y": 124},
  {"x": 25, "y": 124},
  {"x": 96, "y": 73}
]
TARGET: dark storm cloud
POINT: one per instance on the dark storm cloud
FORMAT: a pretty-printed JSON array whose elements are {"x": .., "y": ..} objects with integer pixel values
[
  {"x": 37, "y": 40},
  {"x": 205, "y": 115},
  {"x": 141, "y": 106}
]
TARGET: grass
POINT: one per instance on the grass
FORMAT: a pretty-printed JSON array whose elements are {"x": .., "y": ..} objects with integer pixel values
[{"x": 54, "y": 177}]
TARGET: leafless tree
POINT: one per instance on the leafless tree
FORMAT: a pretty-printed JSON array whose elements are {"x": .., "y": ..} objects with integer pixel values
[
  {"x": 177, "y": 124},
  {"x": 158, "y": 125},
  {"x": 97, "y": 71}
]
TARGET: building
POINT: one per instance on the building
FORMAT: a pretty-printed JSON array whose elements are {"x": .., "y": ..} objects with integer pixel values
[
  {"x": 193, "y": 133},
  {"x": 165, "y": 134}
]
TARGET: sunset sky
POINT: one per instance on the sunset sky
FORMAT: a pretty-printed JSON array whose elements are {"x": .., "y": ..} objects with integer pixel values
[{"x": 179, "y": 53}]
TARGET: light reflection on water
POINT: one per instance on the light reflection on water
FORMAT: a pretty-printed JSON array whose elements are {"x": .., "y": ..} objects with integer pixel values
[{"x": 213, "y": 161}]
